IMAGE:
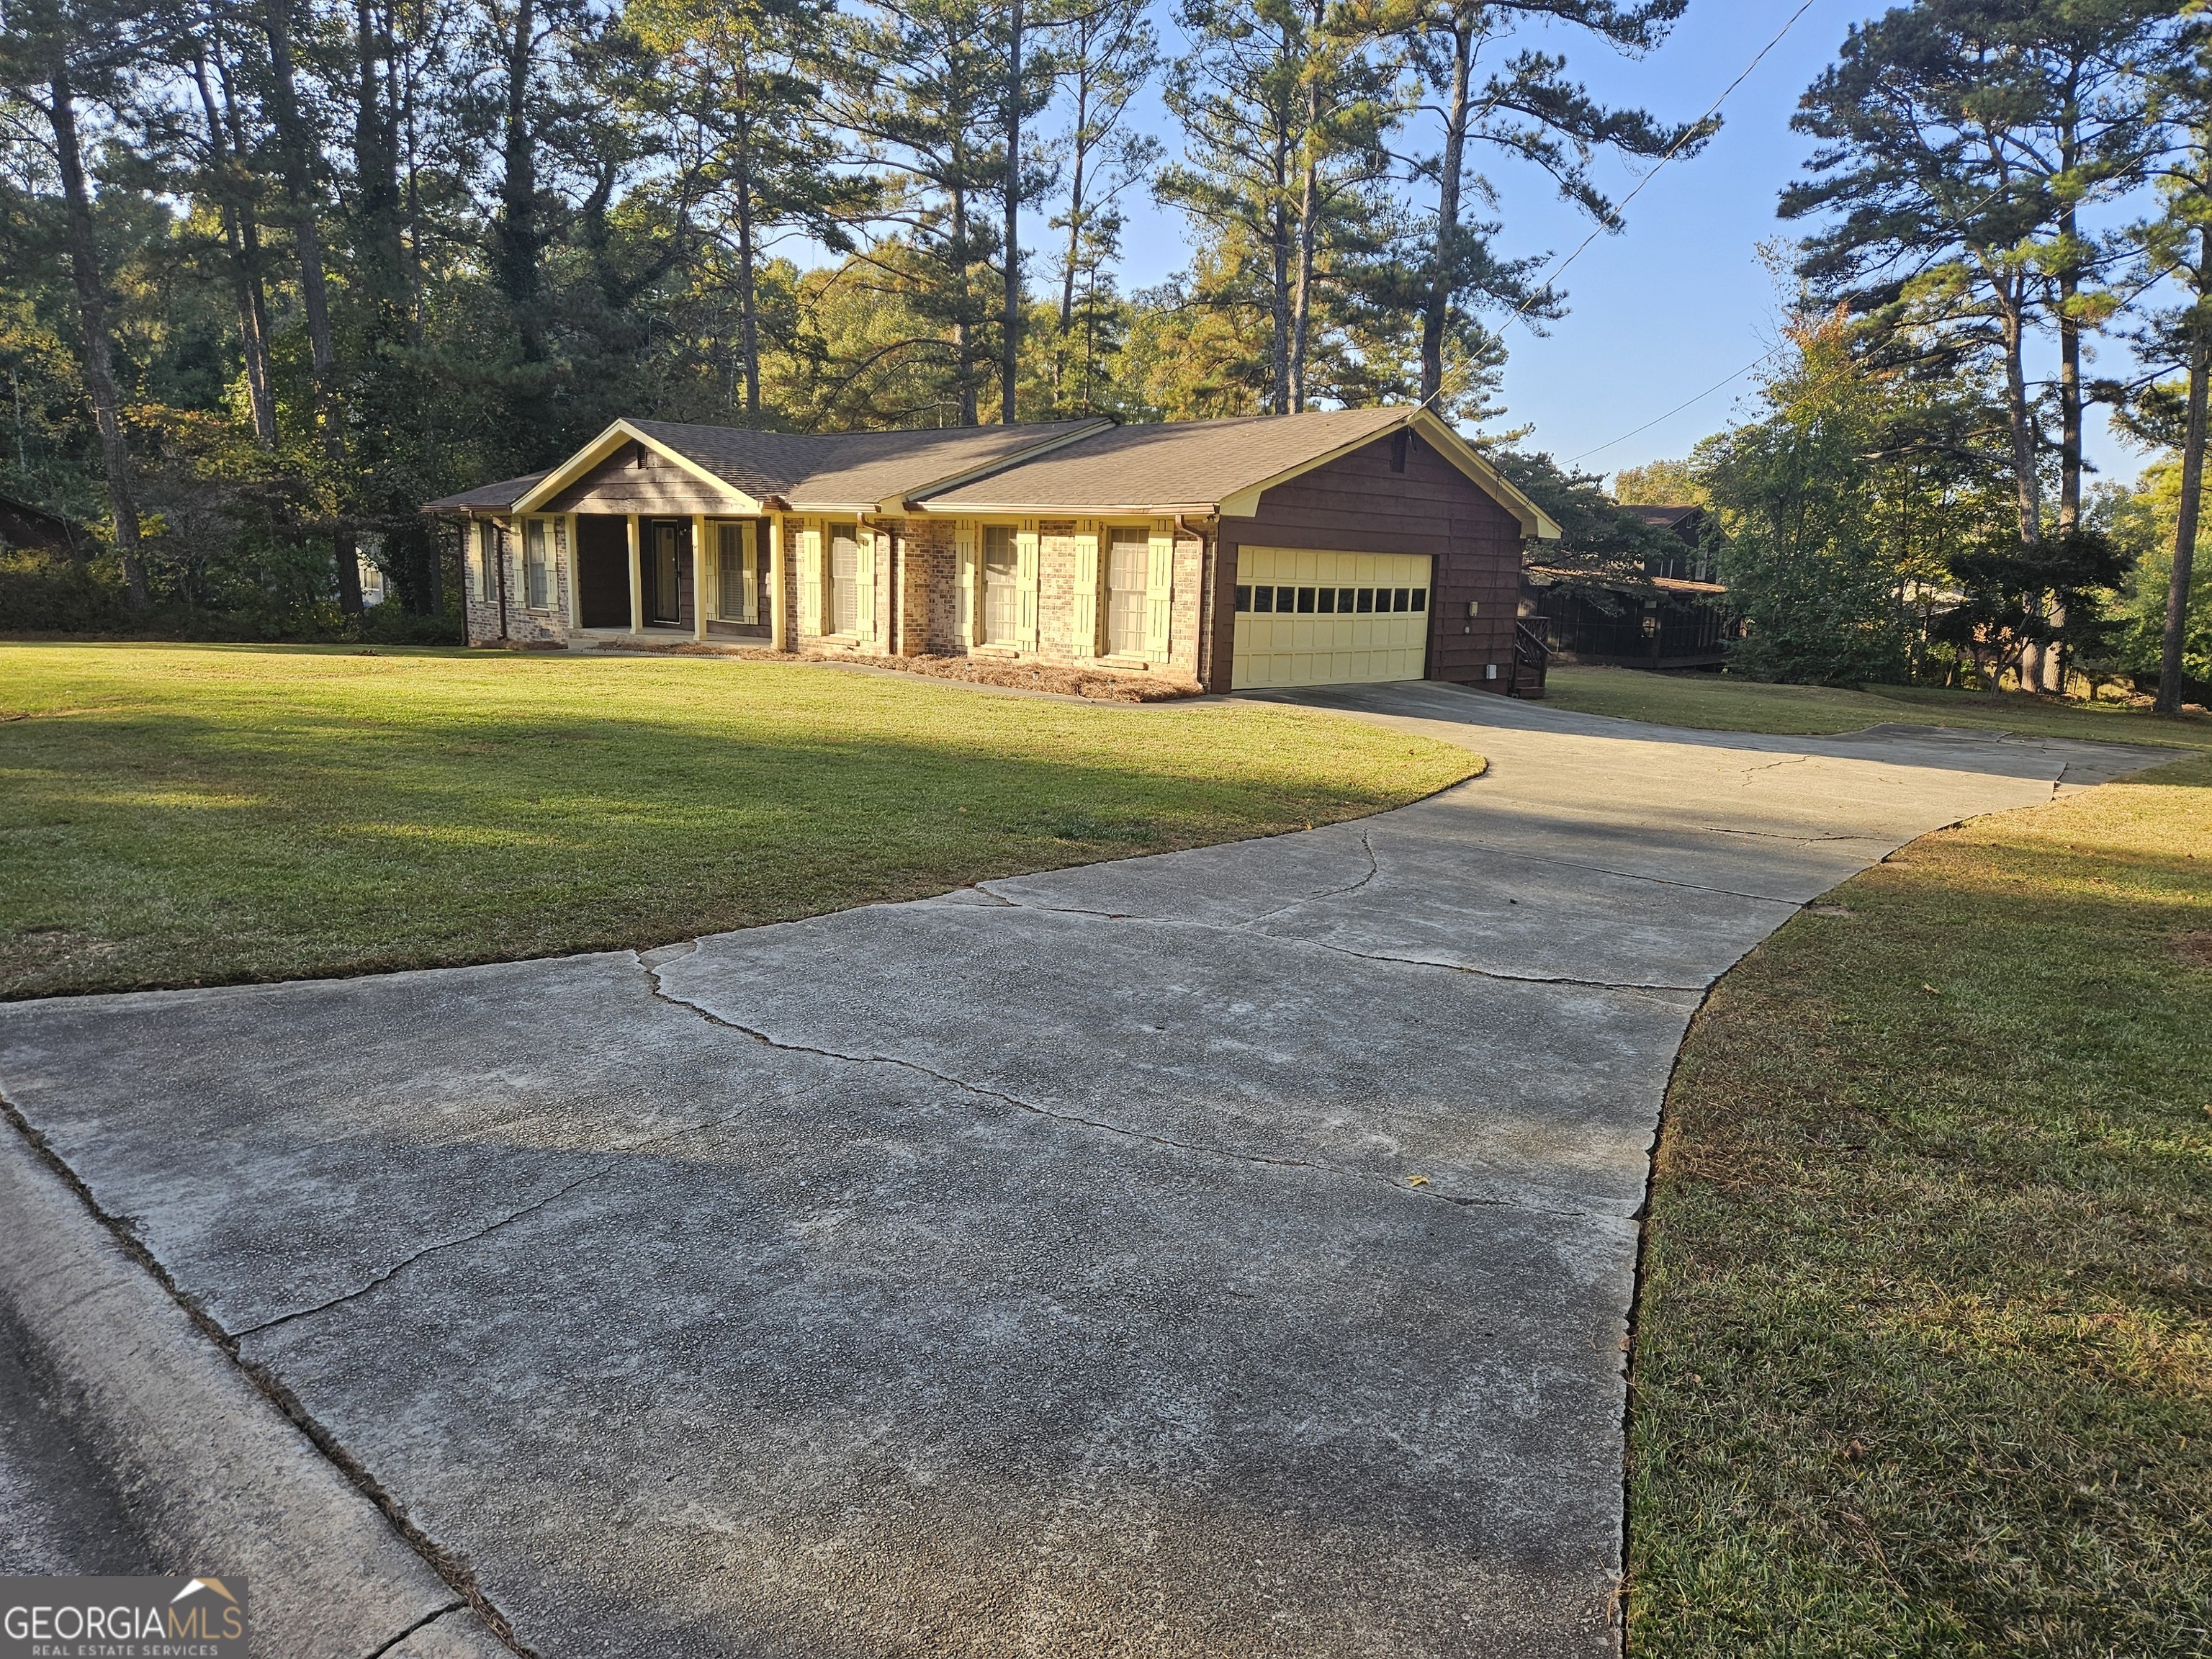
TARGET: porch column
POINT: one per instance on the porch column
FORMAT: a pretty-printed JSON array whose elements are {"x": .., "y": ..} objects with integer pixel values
[
  {"x": 636, "y": 580},
  {"x": 779, "y": 620},
  {"x": 575, "y": 599},
  {"x": 699, "y": 577}
]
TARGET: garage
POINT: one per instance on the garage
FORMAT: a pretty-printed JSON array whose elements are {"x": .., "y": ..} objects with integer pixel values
[{"x": 1311, "y": 617}]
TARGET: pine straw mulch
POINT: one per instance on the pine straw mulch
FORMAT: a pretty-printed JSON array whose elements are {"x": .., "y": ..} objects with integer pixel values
[{"x": 1099, "y": 686}]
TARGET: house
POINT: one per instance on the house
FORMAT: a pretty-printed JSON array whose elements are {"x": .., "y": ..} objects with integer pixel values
[
  {"x": 1271, "y": 550},
  {"x": 1675, "y": 615},
  {"x": 23, "y": 525}
]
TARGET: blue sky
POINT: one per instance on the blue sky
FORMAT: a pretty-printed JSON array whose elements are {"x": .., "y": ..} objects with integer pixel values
[{"x": 1661, "y": 312}]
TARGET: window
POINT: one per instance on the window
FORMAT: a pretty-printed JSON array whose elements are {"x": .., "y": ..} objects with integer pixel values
[
  {"x": 487, "y": 560},
  {"x": 667, "y": 572},
  {"x": 1128, "y": 570},
  {"x": 1001, "y": 597},
  {"x": 733, "y": 559},
  {"x": 538, "y": 579},
  {"x": 1244, "y": 598},
  {"x": 844, "y": 579}
]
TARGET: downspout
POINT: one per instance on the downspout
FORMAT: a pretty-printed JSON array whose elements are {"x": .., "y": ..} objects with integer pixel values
[{"x": 499, "y": 544}]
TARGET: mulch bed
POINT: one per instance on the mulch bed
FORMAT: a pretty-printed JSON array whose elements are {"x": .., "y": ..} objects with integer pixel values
[{"x": 1096, "y": 684}]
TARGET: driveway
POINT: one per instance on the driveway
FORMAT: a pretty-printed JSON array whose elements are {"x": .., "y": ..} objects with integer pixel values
[{"x": 1223, "y": 1253}]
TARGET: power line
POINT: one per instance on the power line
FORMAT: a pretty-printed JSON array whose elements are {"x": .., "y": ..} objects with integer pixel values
[
  {"x": 1556, "y": 270},
  {"x": 1677, "y": 408}
]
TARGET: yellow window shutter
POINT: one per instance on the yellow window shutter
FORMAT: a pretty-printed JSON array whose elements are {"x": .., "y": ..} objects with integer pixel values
[
  {"x": 1026, "y": 581},
  {"x": 1082, "y": 603},
  {"x": 1159, "y": 591},
  {"x": 966, "y": 541},
  {"x": 864, "y": 587},
  {"x": 810, "y": 577},
  {"x": 752, "y": 572}
]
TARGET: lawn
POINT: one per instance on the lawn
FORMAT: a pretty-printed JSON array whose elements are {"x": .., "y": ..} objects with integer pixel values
[
  {"x": 1718, "y": 702},
  {"x": 1922, "y": 1361},
  {"x": 198, "y": 814}
]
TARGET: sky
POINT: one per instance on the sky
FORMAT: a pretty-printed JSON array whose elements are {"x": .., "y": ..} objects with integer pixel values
[{"x": 1660, "y": 312}]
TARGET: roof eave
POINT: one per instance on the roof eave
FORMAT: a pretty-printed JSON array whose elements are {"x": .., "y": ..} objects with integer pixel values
[{"x": 592, "y": 454}]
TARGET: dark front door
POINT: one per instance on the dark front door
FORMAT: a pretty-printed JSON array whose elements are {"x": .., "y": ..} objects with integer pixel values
[
  {"x": 668, "y": 561},
  {"x": 603, "y": 571}
]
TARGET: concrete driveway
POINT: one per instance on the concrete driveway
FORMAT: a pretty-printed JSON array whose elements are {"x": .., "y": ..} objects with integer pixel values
[{"x": 1222, "y": 1253}]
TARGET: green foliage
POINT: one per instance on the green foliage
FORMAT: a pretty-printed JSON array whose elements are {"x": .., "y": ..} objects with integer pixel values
[
  {"x": 2142, "y": 521},
  {"x": 2013, "y": 597}
]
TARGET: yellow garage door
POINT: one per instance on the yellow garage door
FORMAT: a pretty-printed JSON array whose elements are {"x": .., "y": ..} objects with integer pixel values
[{"x": 1306, "y": 618}]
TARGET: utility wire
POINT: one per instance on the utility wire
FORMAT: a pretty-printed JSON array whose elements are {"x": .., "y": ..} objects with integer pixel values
[
  {"x": 1677, "y": 408},
  {"x": 1687, "y": 133}
]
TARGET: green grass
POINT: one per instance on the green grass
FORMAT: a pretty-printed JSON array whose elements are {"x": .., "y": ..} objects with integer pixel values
[
  {"x": 1719, "y": 703},
  {"x": 182, "y": 815},
  {"x": 1924, "y": 1355}
]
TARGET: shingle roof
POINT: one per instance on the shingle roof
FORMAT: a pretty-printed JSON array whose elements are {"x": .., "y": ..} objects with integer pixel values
[
  {"x": 1172, "y": 466},
  {"x": 1663, "y": 518},
  {"x": 504, "y": 494},
  {"x": 821, "y": 472}
]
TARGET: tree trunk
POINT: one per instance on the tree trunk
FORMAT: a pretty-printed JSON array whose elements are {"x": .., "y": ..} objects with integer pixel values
[
  {"x": 242, "y": 242},
  {"x": 748, "y": 301},
  {"x": 1010, "y": 324},
  {"x": 2026, "y": 487},
  {"x": 1442, "y": 281},
  {"x": 99, "y": 353},
  {"x": 963, "y": 339},
  {"x": 1302, "y": 290},
  {"x": 515, "y": 249},
  {"x": 314, "y": 297},
  {"x": 1080, "y": 159},
  {"x": 2170, "y": 670}
]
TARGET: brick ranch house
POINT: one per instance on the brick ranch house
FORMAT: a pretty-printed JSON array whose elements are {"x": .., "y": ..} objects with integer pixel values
[{"x": 1322, "y": 548}]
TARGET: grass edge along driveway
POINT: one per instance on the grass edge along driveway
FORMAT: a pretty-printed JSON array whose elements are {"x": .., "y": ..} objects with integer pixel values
[
  {"x": 1723, "y": 702},
  {"x": 1922, "y": 1360},
  {"x": 179, "y": 815}
]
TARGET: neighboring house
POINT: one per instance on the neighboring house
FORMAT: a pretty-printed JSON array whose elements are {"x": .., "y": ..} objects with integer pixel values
[
  {"x": 24, "y": 526},
  {"x": 1292, "y": 549},
  {"x": 1676, "y": 617}
]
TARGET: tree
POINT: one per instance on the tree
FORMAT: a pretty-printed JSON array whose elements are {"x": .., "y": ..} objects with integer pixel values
[
  {"x": 1107, "y": 56},
  {"x": 54, "y": 55},
  {"x": 1658, "y": 484},
  {"x": 1285, "y": 116},
  {"x": 923, "y": 87},
  {"x": 738, "y": 73},
  {"x": 1523, "y": 108},
  {"x": 2177, "y": 246},
  {"x": 1962, "y": 141}
]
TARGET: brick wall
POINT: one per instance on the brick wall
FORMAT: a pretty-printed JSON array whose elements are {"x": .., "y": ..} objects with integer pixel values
[{"x": 523, "y": 626}]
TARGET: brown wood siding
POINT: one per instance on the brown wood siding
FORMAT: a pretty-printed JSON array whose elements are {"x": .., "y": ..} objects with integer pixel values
[
  {"x": 659, "y": 488},
  {"x": 1356, "y": 504}
]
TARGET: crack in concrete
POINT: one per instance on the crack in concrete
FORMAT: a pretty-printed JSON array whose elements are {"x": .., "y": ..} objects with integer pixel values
[
  {"x": 1751, "y": 772},
  {"x": 1629, "y": 988},
  {"x": 660, "y": 993},
  {"x": 401, "y": 1265},
  {"x": 608, "y": 1165},
  {"x": 1777, "y": 835},
  {"x": 416, "y": 1628}
]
